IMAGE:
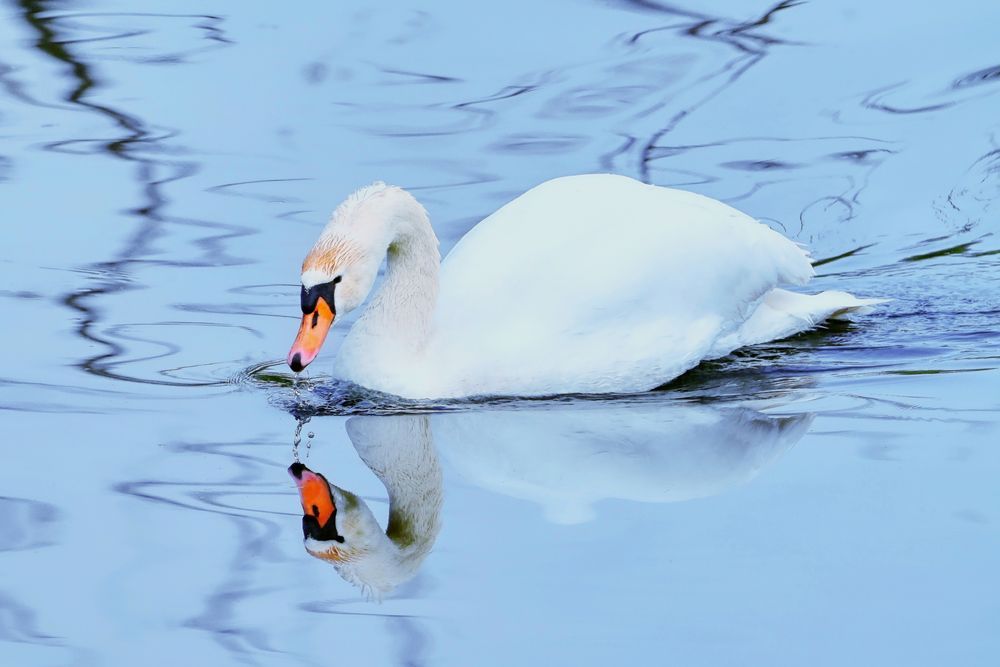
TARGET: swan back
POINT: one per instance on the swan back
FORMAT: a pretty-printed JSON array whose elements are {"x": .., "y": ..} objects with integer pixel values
[{"x": 601, "y": 283}]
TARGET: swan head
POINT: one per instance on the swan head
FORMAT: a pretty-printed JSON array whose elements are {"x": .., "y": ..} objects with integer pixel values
[
  {"x": 340, "y": 529},
  {"x": 336, "y": 525},
  {"x": 341, "y": 268}
]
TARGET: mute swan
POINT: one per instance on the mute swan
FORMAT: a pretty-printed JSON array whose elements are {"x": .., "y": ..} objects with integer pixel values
[
  {"x": 592, "y": 284},
  {"x": 338, "y": 527}
]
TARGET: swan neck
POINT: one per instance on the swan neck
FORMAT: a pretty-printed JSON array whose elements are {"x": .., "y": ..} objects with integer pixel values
[{"x": 403, "y": 307}]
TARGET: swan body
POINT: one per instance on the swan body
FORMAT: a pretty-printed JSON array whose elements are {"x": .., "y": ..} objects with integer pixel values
[{"x": 584, "y": 284}]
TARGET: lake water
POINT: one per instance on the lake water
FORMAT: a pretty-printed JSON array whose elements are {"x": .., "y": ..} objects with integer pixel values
[{"x": 829, "y": 499}]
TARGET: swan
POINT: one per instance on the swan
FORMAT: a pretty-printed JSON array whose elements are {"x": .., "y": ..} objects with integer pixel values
[
  {"x": 338, "y": 527},
  {"x": 595, "y": 283}
]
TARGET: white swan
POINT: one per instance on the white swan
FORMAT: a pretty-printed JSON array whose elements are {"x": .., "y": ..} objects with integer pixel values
[{"x": 594, "y": 283}]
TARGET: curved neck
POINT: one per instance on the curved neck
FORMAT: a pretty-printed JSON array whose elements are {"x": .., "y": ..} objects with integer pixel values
[
  {"x": 400, "y": 451},
  {"x": 401, "y": 311}
]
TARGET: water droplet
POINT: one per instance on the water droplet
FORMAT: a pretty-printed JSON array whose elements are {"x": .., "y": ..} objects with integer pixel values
[{"x": 311, "y": 434}]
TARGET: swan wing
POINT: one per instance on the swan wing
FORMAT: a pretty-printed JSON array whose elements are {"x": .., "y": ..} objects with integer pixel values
[{"x": 601, "y": 283}]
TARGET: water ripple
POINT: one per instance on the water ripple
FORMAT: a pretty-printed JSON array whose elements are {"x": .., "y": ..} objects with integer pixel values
[{"x": 233, "y": 499}]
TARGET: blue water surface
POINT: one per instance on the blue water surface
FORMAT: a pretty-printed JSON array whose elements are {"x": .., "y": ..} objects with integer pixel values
[{"x": 829, "y": 499}]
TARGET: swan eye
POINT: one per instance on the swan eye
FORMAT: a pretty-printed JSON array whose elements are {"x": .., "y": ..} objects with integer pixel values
[{"x": 309, "y": 296}]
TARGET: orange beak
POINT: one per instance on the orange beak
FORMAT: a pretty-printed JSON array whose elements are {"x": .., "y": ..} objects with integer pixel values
[
  {"x": 314, "y": 493},
  {"x": 312, "y": 333}
]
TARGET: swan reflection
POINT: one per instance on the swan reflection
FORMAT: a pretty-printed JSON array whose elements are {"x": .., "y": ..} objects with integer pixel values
[
  {"x": 566, "y": 460},
  {"x": 338, "y": 526}
]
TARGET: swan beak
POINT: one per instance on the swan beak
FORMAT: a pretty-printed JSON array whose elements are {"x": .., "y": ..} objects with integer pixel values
[
  {"x": 314, "y": 493},
  {"x": 312, "y": 333}
]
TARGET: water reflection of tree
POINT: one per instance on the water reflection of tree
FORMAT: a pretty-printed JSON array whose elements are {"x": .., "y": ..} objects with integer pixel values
[
  {"x": 136, "y": 140},
  {"x": 749, "y": 45}
]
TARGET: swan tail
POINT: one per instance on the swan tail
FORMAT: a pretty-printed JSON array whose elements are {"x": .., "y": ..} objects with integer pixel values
[{"x": 782, "y": 313}]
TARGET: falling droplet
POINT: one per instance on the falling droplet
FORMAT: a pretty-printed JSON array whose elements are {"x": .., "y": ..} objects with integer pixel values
[
  {"x": 297, "y": 436},
  {"x": 311, "y": 434}
]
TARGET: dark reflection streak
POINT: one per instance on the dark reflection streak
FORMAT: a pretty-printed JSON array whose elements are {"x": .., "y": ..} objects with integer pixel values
[
  {"x": 988, "y": 75},
  {"x": 328, "y": 607},
  {"x": 224, "y": 189},
  {"x": 851, "y": 197},
  {"x": 138, "y": 489},
  {"x": 969, "y": 201},
  {"x": 843, "y": 255},
  {"x": 412, "y": 638},
  {"x": 15, "y": 89},
  {"x": 208, "y": 26},
  {"x": 648, "y": 5},
  {"x": 871, "y": 101},
  {"x": 754, "y": 189},
  {"x": 607, "y": 160},
  {"x": 633, "y": 39},
  {"x": 421, "y": 77},
  {"x": 25, "y": 524},
  {"x": 18, "y": 624},
  {"x": 60, "y": 146},
  {"x": 289, "y": 290},
  {"x": 293, "y": 216},
  {"x": 826, "y": 201},
  {"x": 60, "y": 387},
  {"x": 478, "y": 118},
  {"x": 212, "y": 29},
  {"x": 246, "y": 463},
  {"x": 236, "y": 309},
  {"x": 170, "y": 350},
  {"x": 106, "y": 38},
  {"x": 52, "y": 408},
  {"x": 505, "y": 93},
  {"x": 212, "y": 499},
  {"x": 766, "y": 18},
  {"x": 459, "y": 184}
]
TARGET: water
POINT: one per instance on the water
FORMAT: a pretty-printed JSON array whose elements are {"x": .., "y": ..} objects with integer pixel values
[{"x": 829, "y": 499}]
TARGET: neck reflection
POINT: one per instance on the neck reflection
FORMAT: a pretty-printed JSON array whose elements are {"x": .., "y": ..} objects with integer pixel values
[{"x": 400, "y": 451}]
